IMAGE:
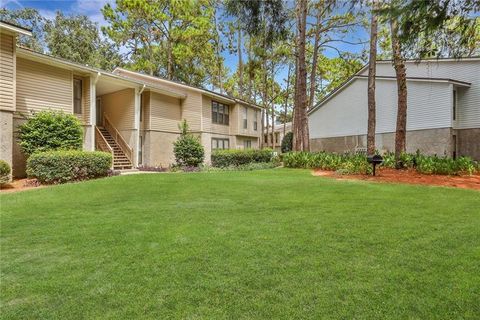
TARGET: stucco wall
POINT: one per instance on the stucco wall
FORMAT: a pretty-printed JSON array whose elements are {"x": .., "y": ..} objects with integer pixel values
[
  {"x": 431, "y": 141},
  {"x": 158, "y": 148},
  {"x": 468, "y": 143}
]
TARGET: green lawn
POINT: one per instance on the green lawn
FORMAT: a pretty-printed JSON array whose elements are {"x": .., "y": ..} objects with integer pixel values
[{"x": 273, "y": 244}]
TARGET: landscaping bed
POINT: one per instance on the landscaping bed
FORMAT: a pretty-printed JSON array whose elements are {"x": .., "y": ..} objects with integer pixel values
[{"x": 409, "y": 176}]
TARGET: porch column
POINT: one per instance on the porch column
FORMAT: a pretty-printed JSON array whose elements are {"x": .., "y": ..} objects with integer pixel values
[
  {"x": 93, "y": 110},
  {"x": 138, "y": 92}
]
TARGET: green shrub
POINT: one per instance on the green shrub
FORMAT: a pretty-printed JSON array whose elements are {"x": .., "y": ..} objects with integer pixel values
[
  {"x": 5, "y": 171},
  {"x": 446, "y": 166},
  {"x": 227, "y": 158},
  {"x": 287, "y": 142},
  {"x": 244, "y": 167},
  {"x": 188, "y": 150},
  {"x": 50, "y": 130},
  {"x": 344, "y": 164},
  {"x": 64, "y": 166}
]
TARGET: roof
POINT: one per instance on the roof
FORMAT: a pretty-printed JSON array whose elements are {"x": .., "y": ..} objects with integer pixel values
[
  {"x": 347, "y": 82},
  {"x": 203, "y": 90},
  {"x": 25, "y": 52},
  {"x": 15, "y": 28}
]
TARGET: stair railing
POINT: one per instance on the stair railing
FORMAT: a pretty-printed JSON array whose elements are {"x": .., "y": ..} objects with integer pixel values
[
  {"x": 107, "y": 124},
  {"x": 102, "y": 144}
]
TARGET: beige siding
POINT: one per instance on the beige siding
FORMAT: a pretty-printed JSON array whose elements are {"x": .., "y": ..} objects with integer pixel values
[
  {"x": 249, "y": 131},
  {"x": 146, "y": 118},
  {"x": 7, "y": 72},
  {"x": 191, "y": 105},
  {"x": 40, "y": 87},
  {"x": 165, "y": 113},
  {"x": 119, "y": 107}
]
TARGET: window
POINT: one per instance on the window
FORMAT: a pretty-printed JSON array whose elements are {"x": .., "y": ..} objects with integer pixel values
[
  {"x": 454, "y": 103},
  {"x": 255, "y": 123},
  {"x": 247, "y": 144},
  {"x": 77, "y": 96},
  {"x": 220, "y": 113},
  {"x": 218, "y": 143},
  {"x": 277, "y": 137},
  {"x": 265, "y": 138},
  {"x": 245, "y": 121}
]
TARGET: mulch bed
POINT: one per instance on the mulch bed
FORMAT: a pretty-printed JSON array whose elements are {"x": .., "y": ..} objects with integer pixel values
[
  {"x": 21, "y": 185},
  {"x": 410, "y": 176}
]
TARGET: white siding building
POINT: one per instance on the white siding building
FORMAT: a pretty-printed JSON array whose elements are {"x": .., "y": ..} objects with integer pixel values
[{"x": 443, "y": 115}]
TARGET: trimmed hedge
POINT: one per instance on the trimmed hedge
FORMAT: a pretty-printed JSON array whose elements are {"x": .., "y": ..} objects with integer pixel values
[
  {"x": 5, "y": 171},
  {"x": 345, "y": 164},
  {"x": 228, "y": 158},
  {"x": 67, "y": 166}
]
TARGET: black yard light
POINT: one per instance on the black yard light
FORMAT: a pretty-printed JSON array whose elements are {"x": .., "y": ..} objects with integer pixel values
[{"x": 374, "y": 160}]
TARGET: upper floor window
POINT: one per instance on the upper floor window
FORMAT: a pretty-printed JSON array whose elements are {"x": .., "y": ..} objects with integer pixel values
[
  {"x": 245, "y": 117},
  {"x": 454, "y": 104},
  {"x": 77, "y": 96},
  {"x": 255, "y": 122},
  {"x": 220, "y": 113}
]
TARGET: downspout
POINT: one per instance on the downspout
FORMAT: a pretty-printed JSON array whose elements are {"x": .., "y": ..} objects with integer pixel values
[{"x": 93, "y": 106}]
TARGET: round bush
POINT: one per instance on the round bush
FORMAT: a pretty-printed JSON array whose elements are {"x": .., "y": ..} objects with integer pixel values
[
  {"x": 4, "y": 172},
  {"x": 64, "y": 166},
  {"x": 50, "y": 130},
  {"x": 287, "y": 142}
]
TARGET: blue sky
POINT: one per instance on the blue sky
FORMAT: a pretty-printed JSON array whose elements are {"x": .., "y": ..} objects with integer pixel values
[{"x": 92, "y": 8}]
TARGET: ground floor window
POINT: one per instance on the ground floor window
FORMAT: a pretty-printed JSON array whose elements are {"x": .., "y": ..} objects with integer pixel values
[
  {"x": 140, "y": 150},
  {"x": 247, "y": 144},
  {"x": 218, "y": 143}
]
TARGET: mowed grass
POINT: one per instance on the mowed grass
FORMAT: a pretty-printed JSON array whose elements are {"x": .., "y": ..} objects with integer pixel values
[{"x": 273, "y": 244}]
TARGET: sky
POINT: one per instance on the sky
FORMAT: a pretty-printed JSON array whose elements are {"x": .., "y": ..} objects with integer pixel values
[{"x": 91, "y": 8}]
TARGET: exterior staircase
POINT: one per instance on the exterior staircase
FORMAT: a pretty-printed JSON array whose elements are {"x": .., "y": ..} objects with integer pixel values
[{"x": 120, "y": 159}]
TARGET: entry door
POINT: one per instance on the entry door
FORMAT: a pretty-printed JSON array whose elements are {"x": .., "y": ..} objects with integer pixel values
[{"x": 98, "y": 104}]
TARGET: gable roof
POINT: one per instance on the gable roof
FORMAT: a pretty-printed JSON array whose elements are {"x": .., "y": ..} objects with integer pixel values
[
  {"x": 359, "y": 75},
  {"x": 181, "y": 84}
]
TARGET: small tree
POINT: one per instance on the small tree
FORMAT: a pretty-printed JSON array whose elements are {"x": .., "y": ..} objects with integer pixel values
[
  {"x": 287, "y": 142},
  {"x": 187, "y": 149},
  {"x": 50, "y": 130}
]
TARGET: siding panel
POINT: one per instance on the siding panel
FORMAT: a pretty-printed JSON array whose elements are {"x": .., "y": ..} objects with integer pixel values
[
  {"x": 165, "y": 113},
  {"x": 7, "y": 72},
  {"x": 41, "y": 86}
]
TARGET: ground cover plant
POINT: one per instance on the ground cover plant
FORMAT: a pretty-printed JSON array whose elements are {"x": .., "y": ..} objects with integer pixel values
[
  {"x": 266, "y": 244},
  {"x": 342, "y": 163},
  {"x": 433, "y": 164}
]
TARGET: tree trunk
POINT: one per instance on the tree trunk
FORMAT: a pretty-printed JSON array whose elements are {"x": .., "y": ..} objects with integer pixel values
[
  {"x": 265, "y": 98},
  {"x": 240, "y": 62},
  {"x": 285, "y": 105},
  {"x": 301, "y": 142},
  {"x": 372, "y": 63},
  {"x": 313, "y": 72},
  {"x": 400, "y": 71}
]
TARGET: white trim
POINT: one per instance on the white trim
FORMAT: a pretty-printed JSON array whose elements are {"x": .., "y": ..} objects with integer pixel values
[
  {"x": 137, "y": 124},
  {"x": 15, "y": 29}
]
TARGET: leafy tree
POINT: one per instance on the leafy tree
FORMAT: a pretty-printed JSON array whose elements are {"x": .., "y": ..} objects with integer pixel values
[
  {"x": 287, "y": 142},
  {"x": 173, "y": 39},
  {"x": 187, "y": 149},
  {"x": 50, "y": 130},
  {"x": 77, "y": 38},
  {"x": 27, "y": 18}
]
